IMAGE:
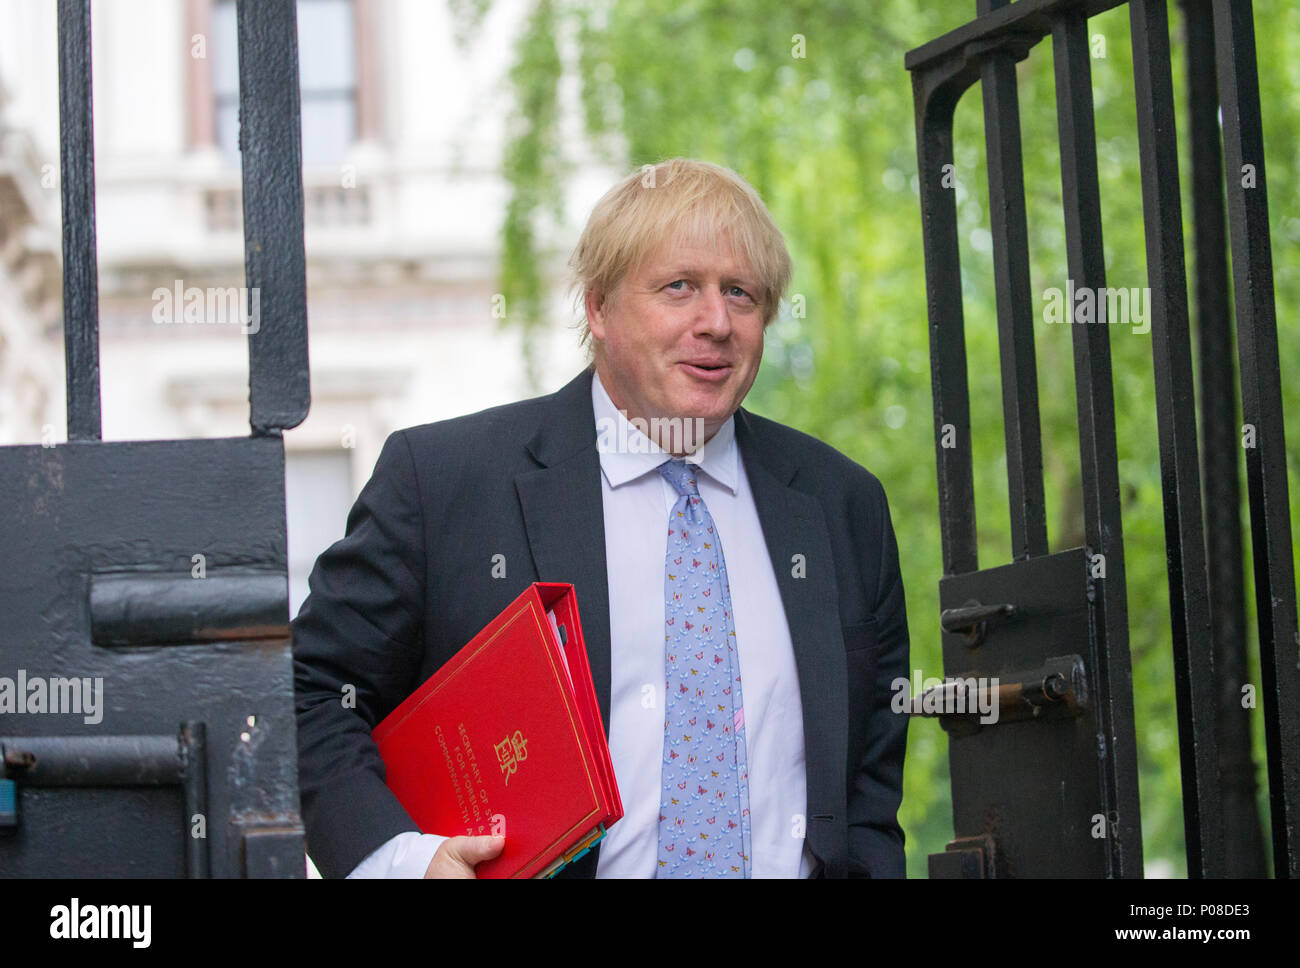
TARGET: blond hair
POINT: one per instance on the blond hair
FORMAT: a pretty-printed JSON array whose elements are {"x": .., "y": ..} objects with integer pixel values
[{"x": 686, "y": 201}]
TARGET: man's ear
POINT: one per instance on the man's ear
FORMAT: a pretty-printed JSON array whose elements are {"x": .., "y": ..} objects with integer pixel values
[{"x": 596, "y": 305}]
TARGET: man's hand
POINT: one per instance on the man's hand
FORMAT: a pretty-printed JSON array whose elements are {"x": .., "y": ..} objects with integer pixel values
[{"x": 458, "y": 855}]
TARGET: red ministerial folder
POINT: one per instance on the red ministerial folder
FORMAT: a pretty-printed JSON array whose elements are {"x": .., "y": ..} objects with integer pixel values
[{"x": 506, "y": 738}]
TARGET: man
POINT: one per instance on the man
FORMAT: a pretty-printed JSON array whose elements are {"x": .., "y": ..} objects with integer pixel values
[{"x": 800, "y": 624}]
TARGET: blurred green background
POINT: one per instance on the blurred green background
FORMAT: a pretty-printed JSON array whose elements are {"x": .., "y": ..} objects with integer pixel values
[{"x": 810, "y": 102}]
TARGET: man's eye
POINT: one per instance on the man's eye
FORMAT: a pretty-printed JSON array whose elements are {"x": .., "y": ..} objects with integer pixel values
[
  {"x": 678, "y": 282},
  {"x": 739, "y": 291}
]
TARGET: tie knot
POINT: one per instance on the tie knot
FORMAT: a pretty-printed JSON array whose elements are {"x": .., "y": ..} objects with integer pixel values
[{"x": 681, "y": 476}]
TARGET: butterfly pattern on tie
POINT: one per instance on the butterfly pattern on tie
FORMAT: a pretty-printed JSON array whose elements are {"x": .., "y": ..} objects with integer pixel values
[{"x": 704, "y": 805}]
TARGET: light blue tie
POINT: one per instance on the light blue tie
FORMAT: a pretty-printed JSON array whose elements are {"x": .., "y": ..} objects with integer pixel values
[{"x": 704, "y": 806}]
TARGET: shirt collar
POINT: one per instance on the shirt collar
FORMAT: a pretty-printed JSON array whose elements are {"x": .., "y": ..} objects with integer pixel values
[{"x": 626, "y": 453}]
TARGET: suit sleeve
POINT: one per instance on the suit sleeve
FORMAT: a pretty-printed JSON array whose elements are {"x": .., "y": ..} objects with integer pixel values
[
  {"x": 876, "y": 790},
  {"x": 357, "y": 645}
]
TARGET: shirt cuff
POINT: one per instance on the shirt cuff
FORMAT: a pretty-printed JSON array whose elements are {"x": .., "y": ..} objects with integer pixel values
[{"x": 406, "y": 855}]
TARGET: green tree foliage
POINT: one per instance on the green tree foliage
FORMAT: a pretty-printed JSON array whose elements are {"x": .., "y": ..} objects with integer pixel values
[{"x": 809, "y": 100}]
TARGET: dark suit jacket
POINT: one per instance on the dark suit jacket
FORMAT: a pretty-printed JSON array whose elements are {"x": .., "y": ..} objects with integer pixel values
[{"x": 412, "y": 582}]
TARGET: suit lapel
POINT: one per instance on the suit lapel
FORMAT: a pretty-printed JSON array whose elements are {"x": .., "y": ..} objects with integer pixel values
[
  {"x": 562, "y": 507},
  {"x": 794, "y": 529}
]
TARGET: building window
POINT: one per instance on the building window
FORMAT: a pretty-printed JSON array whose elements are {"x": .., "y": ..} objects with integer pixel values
[{"x": 327, "y": 76}]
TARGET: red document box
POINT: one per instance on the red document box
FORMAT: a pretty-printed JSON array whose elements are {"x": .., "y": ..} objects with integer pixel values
[{"x": 507, "y": 738}]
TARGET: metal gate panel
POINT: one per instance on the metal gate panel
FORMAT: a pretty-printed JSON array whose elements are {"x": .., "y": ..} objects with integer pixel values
[
  {"x": 989, "y": 763},
  {"x": 149, "y": 724},
  {"x": 1084, "y": 765}
]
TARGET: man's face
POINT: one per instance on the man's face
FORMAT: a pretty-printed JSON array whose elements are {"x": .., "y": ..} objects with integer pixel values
[{"x": 683, "y": 335}]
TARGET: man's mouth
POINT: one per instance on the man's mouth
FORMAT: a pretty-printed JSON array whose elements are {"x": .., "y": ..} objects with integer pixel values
[{"x": 707, "y": 369}]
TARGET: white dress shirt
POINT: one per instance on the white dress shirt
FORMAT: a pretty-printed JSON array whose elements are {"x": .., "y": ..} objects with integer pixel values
[{"x": 637, "y": 501}]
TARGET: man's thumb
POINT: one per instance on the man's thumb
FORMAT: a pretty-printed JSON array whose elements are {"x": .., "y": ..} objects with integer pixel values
[{"x": 476, "y": 849}]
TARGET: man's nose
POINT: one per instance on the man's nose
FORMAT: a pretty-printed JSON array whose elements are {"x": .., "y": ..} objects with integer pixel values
[{"x": 714, "y": 317}]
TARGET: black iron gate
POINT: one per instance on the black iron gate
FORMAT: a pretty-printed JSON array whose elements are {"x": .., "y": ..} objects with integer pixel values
[
  {"x": 146, "y": 648},
  {"x": 1032, "y": 793}
]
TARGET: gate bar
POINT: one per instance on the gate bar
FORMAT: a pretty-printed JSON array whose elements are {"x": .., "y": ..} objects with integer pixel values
[
  {"x": 1007, "y": 222},
  {"x": 194, "y": 783},
  {"x": 1261, "y": 404},
  {"x": 1194, "y": 682},
  {"x": 935, "y": 94},
  {"x": 1032, "y": 19},
  {"x": 1220, "y": 443},
  {"x": 275, "y": 264},
  {"x": 1109, "y": 661},
  {"x": 77, "y": 186}
]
